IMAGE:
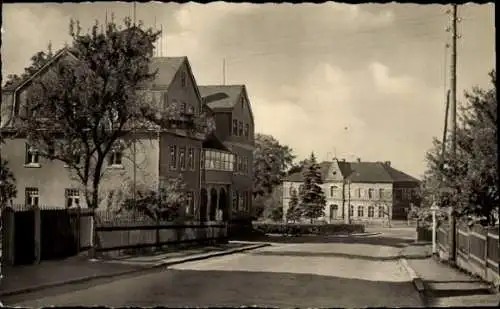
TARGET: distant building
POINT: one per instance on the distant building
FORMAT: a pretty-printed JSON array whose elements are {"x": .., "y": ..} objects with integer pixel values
[
  {"x": 364, "y": 191},
  {"x": 208, "y": 166}
]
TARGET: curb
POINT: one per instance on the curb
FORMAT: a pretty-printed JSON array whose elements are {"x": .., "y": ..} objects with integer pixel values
[
  {"x": 415, "y": 279},
  {"x": 128, "y": 272}
]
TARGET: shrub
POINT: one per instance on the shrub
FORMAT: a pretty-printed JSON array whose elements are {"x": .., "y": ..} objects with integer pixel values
[{"x": 311, "y": 229}]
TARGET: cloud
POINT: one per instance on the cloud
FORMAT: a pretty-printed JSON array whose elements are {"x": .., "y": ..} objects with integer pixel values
[
  {"x": 315, "y": 115},
  {"x": 390, "y": 84}
]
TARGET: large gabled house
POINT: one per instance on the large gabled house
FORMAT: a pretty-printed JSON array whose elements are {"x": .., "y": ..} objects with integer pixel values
[
  {"x": 234, "y": 121},
  {"x": 360, "y": 191},
  {"x": 160, "y": 154}
]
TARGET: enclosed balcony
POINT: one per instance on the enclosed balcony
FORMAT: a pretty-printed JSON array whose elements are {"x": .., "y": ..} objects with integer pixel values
[{"x": 218, "y": 160}]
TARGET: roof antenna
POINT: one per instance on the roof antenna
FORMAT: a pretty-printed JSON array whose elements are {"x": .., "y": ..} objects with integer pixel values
[
  {"x": 156, "y": 43},
  {"x": 134, "y": 13},
  {"x": 161, "y": 40}
]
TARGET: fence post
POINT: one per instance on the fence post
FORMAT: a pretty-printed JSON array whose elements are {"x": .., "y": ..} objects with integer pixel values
[
  {"x": 157, "y": 232},
  {"x": 485, "y": 232},
  {"x": 8, "y": 236},
  {"x": 37, "y": 235},
  {"x": 78, "y": 228},
  {"x": 93, "y": 236}
]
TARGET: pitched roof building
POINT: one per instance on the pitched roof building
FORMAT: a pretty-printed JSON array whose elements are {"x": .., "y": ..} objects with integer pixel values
[{"x": 360, "y": 190}]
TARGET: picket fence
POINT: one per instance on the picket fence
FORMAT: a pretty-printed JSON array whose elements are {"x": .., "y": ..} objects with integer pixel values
[{"x": 477, "y": 249}]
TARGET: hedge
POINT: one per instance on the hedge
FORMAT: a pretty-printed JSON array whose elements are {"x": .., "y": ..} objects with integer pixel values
[{"x": 311, "y": 229}]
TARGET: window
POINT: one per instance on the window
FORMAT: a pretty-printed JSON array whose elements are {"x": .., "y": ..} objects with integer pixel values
[
  {"x": 292, "y": 190},
  {"x": 202, "y": 159},
  {"x": 235, "y": 200},
  {"x": 217, "y": 160},
  {"x": 397, "y": 194},
  {"x": 235, "y": 127},
  {"x": 240, "y": 133},
  {"x": 381, "y": 211},
  {"x": 189, "y": 203},
  {"x": 301, "y": 188},
  {"x": 240, "y": 164},
  {"x": 358, "y": 193},
  {"x": 361, "y": 211},
  {"x": 381, "y": 193},
  {"x": 191, "y": 159},
  {"x": 371, "y": 211},
  {"x": 351, "y": 211},
  {"x": 72, "y": 197},
  {"x": 184, "y": 108},
  {"x": 31, "y": 196},
  {"x": 31, "y": 156},
  {"x": 245, "y": 165},
  {"x": 247, "y": 129},
  {"x": 333, "y": 211},
  {"x": 231, "y": 162},
  {"x": 370, "y": 193},
  {"x": 183, "y": 79},
  {"x": 333, "y": 191},
  {"x": 209, "y": 159},
  {"x": 115, "y": 158},
  {"x": 182, "y": 158},
  {"x": 173, "y": 157}
]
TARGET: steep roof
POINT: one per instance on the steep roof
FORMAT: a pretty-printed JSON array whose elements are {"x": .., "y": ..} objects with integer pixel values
[
  {"x": 221, "y": 96},
  {"x": 399, "y": 176},
  {"x": 167, "y": 68},
  {"x": 368, "y": 172}
]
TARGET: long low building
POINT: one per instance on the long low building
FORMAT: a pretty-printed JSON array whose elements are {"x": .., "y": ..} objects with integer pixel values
[{"x": 360, "y": 191}]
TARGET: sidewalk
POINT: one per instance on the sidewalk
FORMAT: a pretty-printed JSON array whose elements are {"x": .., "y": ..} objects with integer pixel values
[
  {"x": 445, "y": 286},
  {"x": 30, "y": 278}
]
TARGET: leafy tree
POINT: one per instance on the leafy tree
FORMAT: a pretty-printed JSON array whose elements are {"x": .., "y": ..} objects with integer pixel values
[
  {"x": 263, "y": 205},
  {"x": 271, "y": 160},
  {"x": 8, "y": 189},
  {"x": 165, "y": 203},
  {"x": 312, "y": 197},
  {"x": 277, "y": 213},
  {"x": 85, "y": 109},
  {"x": 298, "y": 167},
  {"x": 467, "y": 182},
  {"x": 294, "y": 212}
]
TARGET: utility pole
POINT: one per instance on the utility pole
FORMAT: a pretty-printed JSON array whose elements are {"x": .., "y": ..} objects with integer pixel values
[
  {"x": 224, "y": 71},
  {"x": 134, "y": 151},
  {"x": 453, "y": 124}
]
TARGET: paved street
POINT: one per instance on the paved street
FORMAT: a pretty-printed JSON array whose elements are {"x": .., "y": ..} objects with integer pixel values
[{"x": 338, "y": 272}]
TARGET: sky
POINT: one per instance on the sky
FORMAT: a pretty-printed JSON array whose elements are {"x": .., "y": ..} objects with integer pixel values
[{"x": 349, "y": 81}]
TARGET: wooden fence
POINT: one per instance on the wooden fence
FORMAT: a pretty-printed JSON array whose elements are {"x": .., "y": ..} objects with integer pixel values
[
  {"x": 123, "y": 233},
  {"x": 477, "y": 249},
  {"x": 31, "y": 234}
]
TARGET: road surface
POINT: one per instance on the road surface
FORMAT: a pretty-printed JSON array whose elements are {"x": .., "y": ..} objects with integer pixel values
[{"x": 337, "y": 272}]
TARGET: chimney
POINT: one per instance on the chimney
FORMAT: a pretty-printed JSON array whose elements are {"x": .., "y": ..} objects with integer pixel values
[
  {"x": 343, "y": 160},
  {"x": 358, "y": 160},
  {"x": 388, "y": 163}
]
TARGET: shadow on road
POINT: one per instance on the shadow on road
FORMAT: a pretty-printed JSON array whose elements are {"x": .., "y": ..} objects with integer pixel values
[
  {"x": 371, "y": 240},
  {"x": 327, "y": 254},
  {"x": 189, "y": 288}
]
